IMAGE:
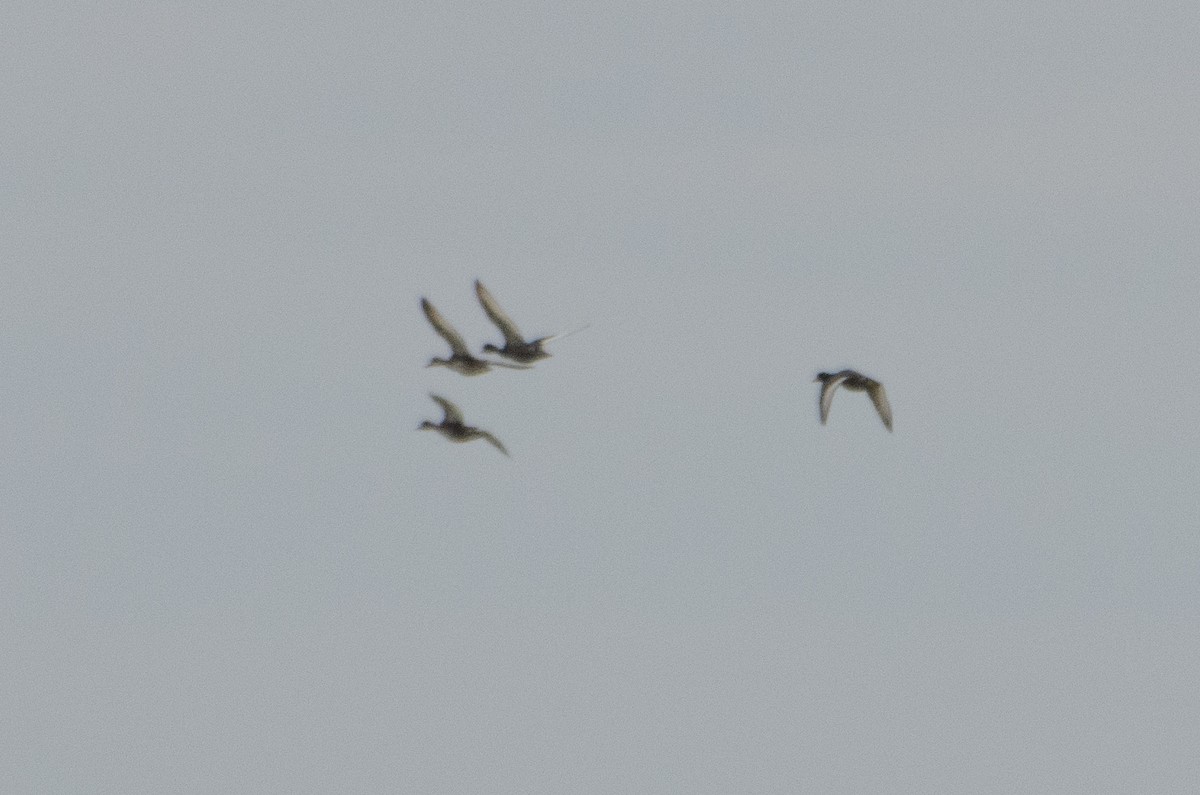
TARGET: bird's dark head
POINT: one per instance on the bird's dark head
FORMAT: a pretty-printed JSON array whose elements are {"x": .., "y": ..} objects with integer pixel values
[
  {"x": 436, "y": 361},
  {"x": 426, "y": 425},
  {"x": 822, "y": 377},
  {"x": 490, "y": 348}
]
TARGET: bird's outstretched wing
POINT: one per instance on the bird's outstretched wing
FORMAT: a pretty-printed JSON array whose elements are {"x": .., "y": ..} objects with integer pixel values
[
  {"x": 509, "y": 365},
  {"x": 512, "y": 335},
  {"x": 452, "y": 414},
  {"x": 879, "y": 398},
  {"x": 457, "y": 344},
  {"x": 828, "y": 387},
  {"x": 494, "y": 442}
]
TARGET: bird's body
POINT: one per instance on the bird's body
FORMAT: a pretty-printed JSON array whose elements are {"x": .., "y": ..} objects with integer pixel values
[
  {"x": 855, "y": 382},
  {"x": 454, "y": 428},
  {"x": 461, "y": 360},
  {"x": 516, "y": 347}
]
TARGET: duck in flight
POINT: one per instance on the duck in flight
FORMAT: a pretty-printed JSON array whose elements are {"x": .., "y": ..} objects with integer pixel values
[
  {"x": 516, "y": 347},
  {"x": 461, "y": 360},
  {"x": 454, "y": 428},
  {"x": 855, "y": 382}
]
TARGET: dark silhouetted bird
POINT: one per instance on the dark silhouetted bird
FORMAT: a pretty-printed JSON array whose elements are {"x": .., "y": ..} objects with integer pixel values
[
  {"x": 855, "y": 382},
  {"x": 453, "y": 427},
  {"x": 516, "y": 347}
]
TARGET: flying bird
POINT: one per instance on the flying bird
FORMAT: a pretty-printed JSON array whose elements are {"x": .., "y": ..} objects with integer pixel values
[
  {"x": 461, "y": 360},
  {"x": 516, "y": 347},
  {"x": 855, "y": 382},
  {"x": 453, "y": 427}
]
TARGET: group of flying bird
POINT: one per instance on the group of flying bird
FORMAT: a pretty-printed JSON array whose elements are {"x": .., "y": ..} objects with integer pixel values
[{"x": 524, "y": 352}]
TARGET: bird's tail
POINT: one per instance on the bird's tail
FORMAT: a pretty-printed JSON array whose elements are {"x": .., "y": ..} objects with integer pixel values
[{"x": 565, "y": 334}]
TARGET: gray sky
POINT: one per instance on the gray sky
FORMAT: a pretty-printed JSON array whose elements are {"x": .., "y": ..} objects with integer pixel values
[{"x": 229, "y": 562}]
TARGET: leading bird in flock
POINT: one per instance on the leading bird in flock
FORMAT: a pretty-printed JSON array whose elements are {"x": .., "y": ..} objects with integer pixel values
[{"x": 516, "y": 347}]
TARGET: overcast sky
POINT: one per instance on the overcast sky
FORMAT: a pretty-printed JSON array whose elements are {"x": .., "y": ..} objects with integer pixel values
[{"x": 230, "y": 563}]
